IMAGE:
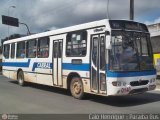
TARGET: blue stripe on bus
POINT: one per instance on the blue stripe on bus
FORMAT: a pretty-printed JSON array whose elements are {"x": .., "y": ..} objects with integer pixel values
[
  {"x": 131, "y": 74},
  {"x": 80, "y": 67},
  {"x": 23, "y": 64},
  {"x": 35, "y": 65},
  {"x": 16, "y": 64}
]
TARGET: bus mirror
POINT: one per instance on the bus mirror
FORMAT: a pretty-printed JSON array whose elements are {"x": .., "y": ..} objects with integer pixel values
[{"x": 108, "y": 43}]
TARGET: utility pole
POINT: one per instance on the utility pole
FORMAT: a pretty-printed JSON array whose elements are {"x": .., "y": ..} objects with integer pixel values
[
  {"x": 8, "y": 15},
  {"x": 131, "y": 9}
]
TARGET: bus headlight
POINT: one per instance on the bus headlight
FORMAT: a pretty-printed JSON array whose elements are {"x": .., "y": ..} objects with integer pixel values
[{"x": 152, "y": 80}]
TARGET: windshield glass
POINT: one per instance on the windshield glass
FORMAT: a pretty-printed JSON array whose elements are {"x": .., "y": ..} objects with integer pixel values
[{"x": 131, "y": 51}]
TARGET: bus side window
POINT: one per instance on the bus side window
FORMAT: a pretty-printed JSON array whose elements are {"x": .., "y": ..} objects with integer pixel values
[
  {"x": 6, "y": 51},
  {"x": 31, "y": 49},
  {"x": 12, "y": 50},
  {"x": 43, "y": 47},
  {"x": 21, "y": 51},
  {"x": 76, "y": 44}
]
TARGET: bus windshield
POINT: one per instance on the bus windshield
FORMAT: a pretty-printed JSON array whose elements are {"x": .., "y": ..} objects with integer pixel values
[{"x": 131, "y": 51}]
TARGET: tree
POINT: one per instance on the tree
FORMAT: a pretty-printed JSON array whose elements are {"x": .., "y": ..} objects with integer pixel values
[{"x": 11, "y": 37}]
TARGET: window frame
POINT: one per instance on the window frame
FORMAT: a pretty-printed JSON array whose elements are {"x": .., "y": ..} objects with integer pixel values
[
  {"x": 27, "y": 48},
  {"x": 8, "y": 51},
  {"x": 13, "y": 52},
  {"x": 69, "y": 39},
  {"x": 38, "y": 46},
  {"x": 24, "y": 50}
]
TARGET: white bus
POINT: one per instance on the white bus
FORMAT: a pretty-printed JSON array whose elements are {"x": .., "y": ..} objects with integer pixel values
[{"x": 106, "y": 57}]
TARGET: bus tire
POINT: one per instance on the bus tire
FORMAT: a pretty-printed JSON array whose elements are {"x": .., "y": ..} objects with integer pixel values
[
  {"x": 76, "y": 88},
  {"x": 20, "y": 78}
]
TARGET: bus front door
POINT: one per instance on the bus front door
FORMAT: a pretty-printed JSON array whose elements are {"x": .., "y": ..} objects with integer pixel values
[
  {"x": 98, "y": 64},
  {"x": 57, "y": 62}
]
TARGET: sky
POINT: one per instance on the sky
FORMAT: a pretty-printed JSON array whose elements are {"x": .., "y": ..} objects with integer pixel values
[{"x": 43, "y": 15}]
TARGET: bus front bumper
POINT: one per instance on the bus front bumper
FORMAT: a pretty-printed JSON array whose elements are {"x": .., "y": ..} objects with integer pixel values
[{"x": 128, "y": 90}]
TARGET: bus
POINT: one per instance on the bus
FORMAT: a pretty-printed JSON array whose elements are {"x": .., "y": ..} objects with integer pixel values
[{"x": 105, "y": 57}]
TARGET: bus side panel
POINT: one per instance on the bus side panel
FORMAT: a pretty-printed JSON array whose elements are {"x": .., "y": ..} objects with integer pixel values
[
  {"x": 9, "y": 71},
  {"x": 30, "y": 77},
  {"x": 6, "y": 73},
  {"x": 13, "y": 75},
  {"x": 43, "y": 68},
  {"x": 82, "y": 69},
  {"x": 44, "y": 76},
  {"x": 84, "y": 77},
  {"x": 44, "y": 79}
]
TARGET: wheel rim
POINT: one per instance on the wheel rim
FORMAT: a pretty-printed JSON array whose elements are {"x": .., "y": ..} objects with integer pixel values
[{"x": 77, "y": 88}]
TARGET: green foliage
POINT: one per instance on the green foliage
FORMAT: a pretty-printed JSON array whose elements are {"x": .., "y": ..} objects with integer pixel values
[{"x": 11, "y": 37}]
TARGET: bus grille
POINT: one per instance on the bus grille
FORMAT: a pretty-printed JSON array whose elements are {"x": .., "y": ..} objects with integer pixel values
[
  {"x": 138, "y": 83},
  {"x": 136, "y": 91}
]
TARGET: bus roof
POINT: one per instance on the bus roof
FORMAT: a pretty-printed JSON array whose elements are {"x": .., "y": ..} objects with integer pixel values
[
  {"x": 62, "y": 30},
  {"x": 66, "y": 30}
]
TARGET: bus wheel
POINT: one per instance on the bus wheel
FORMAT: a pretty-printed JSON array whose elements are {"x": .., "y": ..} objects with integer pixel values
[
  {"x": 21, "y": 78},
  {"x": 76, "y": 88}
]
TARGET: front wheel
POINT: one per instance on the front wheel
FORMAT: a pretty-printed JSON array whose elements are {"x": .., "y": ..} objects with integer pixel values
[
  {"x": 21, "y": 78},
  {"x": 76, "y": 88}
]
